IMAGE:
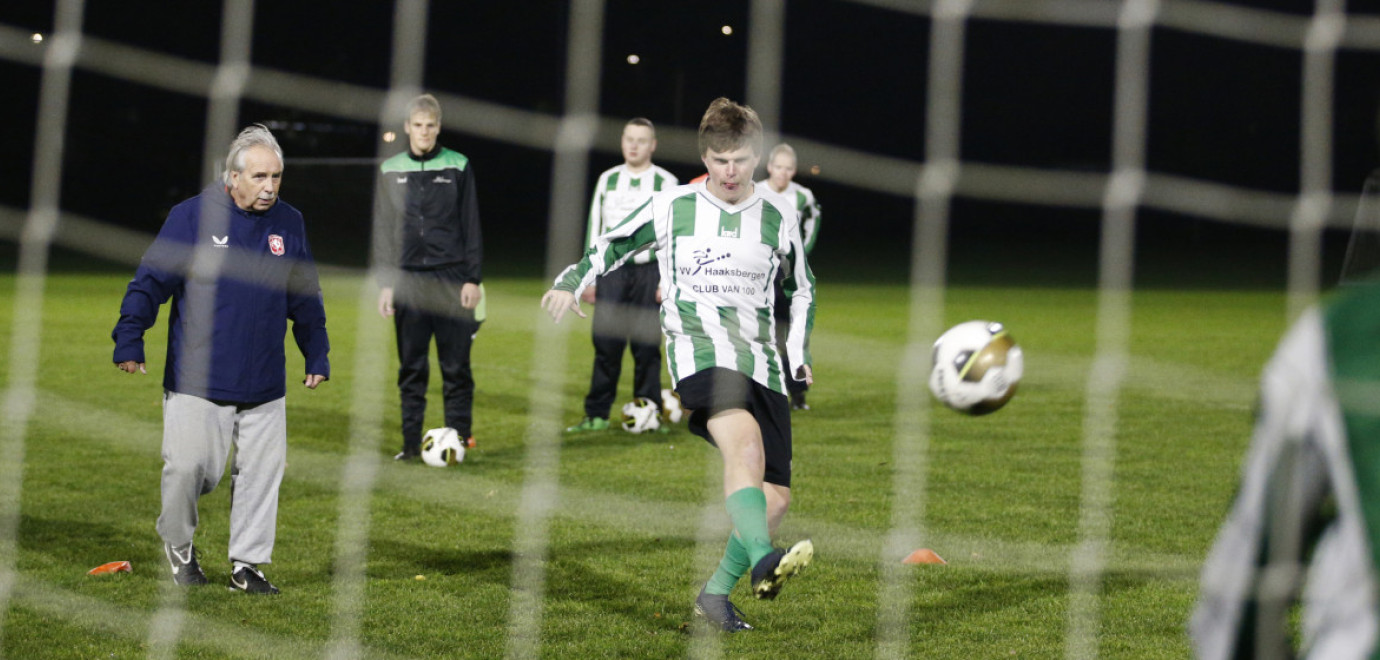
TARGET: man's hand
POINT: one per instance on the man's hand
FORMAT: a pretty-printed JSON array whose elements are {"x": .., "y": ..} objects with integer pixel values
[
  {"x": 386, "y": 301},
  {"x": 804, "y": 373},
  {"x": 313, "y": 380},
  {"x": 587, "y": 296},
  {"x": 130, "y": 366},
  {"x": 557, "y": 303},
  {"x": 470, "y": 295}
]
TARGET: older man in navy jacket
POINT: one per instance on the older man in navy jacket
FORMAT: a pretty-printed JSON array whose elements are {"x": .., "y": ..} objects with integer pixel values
[{"x": 235, "y": 262}]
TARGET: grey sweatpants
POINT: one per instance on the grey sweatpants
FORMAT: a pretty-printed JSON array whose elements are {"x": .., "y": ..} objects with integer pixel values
[{"x": 197, "y": 437}]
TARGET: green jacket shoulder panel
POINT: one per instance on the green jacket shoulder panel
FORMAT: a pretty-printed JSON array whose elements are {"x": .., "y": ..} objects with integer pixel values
[{"x": 405, "y": 163}]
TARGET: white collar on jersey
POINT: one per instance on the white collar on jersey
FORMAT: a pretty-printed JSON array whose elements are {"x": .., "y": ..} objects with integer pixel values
[{"x": 703, "y": 189}]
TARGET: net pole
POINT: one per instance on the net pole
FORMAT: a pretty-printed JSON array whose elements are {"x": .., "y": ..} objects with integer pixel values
[
  {"x": 766, "y": 46},
  {"x": 1325, "y": 30},
  {"x": 360, "y": 469},
  {"x": 766, "y": 27},
  {"x": 237, "y": 25},
  {"x": 34, "y": 246},
  {"x": 1315, "y": 199},
  {"x": 1125, "y": 188},
  {"x": 934, "y": 191},
  {"x": 232, "y": 73},
  {"x": 541, "y": 487}
]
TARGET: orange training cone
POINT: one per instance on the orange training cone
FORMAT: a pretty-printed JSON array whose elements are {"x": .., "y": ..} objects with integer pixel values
[
  {"x": 923, "y": 556},
  {"x": 111, "y": 567}
]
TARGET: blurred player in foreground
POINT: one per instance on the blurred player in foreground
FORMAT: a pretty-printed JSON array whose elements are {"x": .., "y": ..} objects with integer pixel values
[
  {"x": 1300, "y": 549},
  {"x": 430, "y": 257},
  {"x": 780, "y": 179},
  {"x": 719, "y": 244},
  {"x": 627, "y": 297},
  {"x": 236, "y": 264}
]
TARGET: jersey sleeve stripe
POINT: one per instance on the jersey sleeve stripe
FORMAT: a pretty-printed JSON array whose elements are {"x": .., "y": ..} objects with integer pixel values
[
  {"x": 620, "y": 248},
  {"x": 570, "y": 279},
  {"x": 632, "y": 215}
]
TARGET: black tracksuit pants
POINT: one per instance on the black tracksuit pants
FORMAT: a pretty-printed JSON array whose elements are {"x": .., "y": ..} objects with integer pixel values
[
  {"x": 625, "y": 315},
  {"x": 426, "y": 305}
]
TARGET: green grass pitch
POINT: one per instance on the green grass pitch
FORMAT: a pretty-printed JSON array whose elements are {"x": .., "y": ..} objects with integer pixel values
[{"x": 623, "y": 563}]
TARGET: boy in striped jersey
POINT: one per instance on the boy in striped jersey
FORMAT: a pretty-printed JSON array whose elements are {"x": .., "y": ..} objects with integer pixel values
[
  {"x": 627, "y": 297},
  {"x": 719, "y": 245},
  {"x": 781, "y": 179}
]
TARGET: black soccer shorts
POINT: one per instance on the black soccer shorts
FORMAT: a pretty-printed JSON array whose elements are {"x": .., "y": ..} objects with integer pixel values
[{"x": 717, "y": 389}]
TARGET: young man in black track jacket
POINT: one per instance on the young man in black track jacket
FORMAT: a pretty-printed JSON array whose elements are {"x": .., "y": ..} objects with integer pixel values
[{"x": 429, "y": 253}]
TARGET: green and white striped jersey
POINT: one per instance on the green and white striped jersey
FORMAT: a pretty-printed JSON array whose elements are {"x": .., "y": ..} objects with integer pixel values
[
  {"x": 1305, "y": 526},
  {"x": 618, "y": 193},
  {"x": 808, "y": 208},
  {"x": 717, "y": 264}
]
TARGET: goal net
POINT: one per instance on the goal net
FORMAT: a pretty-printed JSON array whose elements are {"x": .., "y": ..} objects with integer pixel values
[{"x": 941, "y": 149}]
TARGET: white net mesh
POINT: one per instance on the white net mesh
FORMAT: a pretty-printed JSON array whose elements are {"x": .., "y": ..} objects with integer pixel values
[{"x": 1123, "y": 189}]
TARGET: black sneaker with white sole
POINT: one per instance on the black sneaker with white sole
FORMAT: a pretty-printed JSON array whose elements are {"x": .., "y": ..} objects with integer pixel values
[
  {"x": 186, "y": 570},
  {"x": 773, "y": 570},
  {"x": 251, "y": 581},
  {"x": 720, "y": 613}
]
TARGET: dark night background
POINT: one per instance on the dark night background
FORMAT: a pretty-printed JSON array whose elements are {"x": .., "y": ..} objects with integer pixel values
[{"x": 1035, "y": 95}]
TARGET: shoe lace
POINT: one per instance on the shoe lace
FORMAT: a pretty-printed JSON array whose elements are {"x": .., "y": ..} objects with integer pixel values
[
  {"x": 732, "y": 613},
  {"x": 722, "y": 611}
]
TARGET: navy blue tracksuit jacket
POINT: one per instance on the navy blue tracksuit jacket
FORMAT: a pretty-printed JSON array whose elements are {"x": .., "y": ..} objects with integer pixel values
[{"x": 260, "y": 270}]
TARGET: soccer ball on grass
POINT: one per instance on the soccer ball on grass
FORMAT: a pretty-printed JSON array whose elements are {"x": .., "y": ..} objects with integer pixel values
[
  {"x": 641, "y": 415},
  {"x": 442, "y": 447},
  {"x": 671, "y": 408},
  {"x": 977, "y": 366}
]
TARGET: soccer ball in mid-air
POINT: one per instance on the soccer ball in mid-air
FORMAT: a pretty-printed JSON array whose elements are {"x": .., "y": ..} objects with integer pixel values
[
  {"x": 442, "y": 447},
  {"x": 977, "y": 366},
  {"x": 641, "y": 415},
  {"x": 671, "y": 409}
]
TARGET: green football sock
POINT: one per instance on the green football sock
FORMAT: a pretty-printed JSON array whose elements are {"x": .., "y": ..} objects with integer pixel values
[
  {"x": 747, "y": 508},
  {"x": 731, "y": 568}
]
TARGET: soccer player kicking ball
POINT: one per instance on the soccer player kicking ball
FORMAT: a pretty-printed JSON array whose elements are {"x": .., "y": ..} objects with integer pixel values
[{"x": 718, "y": 245}]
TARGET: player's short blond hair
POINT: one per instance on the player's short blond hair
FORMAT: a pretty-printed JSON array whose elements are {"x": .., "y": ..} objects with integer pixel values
[
  {"x": 728, "y": 126},
  {"x": 424, "y": 103},
  {"x": 782, "y": 148},
  {"x": 642, "y": 121}
]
